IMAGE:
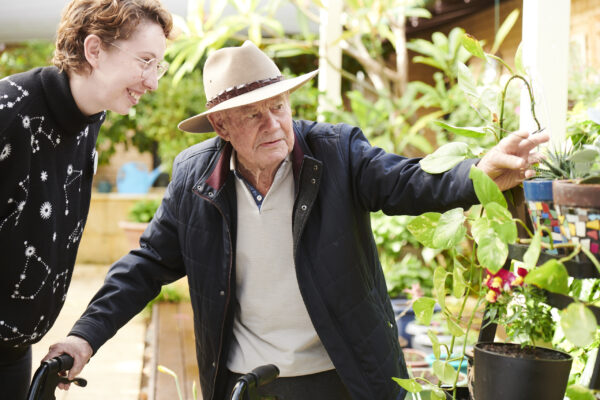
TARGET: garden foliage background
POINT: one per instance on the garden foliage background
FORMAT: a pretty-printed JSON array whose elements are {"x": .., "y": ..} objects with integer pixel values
[{"x": 395, "y": 113}]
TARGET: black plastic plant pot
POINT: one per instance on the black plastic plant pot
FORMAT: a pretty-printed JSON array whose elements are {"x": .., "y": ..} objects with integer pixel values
[{"x": 506, "y": 371}]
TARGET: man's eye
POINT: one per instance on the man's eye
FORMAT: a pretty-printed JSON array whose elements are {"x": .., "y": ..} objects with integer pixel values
[{"x": 278, "y": 106}]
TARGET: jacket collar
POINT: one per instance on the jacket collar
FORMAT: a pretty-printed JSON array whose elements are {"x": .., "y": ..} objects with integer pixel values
[{"x": 218, "y": 176}]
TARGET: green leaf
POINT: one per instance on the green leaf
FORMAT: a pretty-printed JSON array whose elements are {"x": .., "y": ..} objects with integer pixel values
[
  {"x": 450, "y": 229},
  {"x": 423, "y": 227},
  {"x": 435, "y": 343},
  {"x": 410, "y": 385},
  {"x": 473, "y": 46},
  {"x": 466, "y": 81},
  {"x": 492, "y": 251},
  {"x": 439, "y": 285},
  {"x": 552, "y": 276},
  {"x": 468, "y": 131},
  {"x": 445, "y": 157},
  {"x": 485, "y": 188},
  {"x": 533, "y": 251},
  {"x": 579, "y": 324},
  {"x": 504, "y": 29},
  {"x": 454, "y": 328},
  {"x": 578, "y": 392},
  {"x": 502, "y": 222},
  {"x": 437, "y": 393},
  {"x": 458, "y": 280},
  {"x": 519, "y": 69},
  {"x": 444, "y": 371},
  {"x": 423, "y": 308}
]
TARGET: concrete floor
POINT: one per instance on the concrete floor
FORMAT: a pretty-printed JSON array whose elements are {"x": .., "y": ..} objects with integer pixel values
[{"x": 115, "y": 372}]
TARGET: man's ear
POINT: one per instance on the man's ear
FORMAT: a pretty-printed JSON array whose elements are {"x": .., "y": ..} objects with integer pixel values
[
  {"x": 92, "y": 47},
  {"x": 219, "y": 127}
]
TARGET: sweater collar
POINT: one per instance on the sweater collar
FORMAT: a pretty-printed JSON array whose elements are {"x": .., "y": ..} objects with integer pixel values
[{"x": 62, "y": 104}]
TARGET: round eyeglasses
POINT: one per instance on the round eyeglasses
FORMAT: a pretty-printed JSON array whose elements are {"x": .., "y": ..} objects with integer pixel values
[{"x": 159, "y": 66}]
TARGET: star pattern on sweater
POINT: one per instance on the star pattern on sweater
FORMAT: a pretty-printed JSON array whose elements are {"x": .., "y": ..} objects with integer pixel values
[
  {"x": 19, "y": 204},
  {"x": 14, "y": 333},
  {"x": 76, "y": 234},
  {"x": 37, "y": 129},
  {"x": 6, "y": 101},
  {"x": 73, "y": 176},
  {"x": 31, "y": 259}
]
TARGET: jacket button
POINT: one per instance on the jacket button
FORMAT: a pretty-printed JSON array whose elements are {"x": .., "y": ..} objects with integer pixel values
[
  {"x": 210, "y": 194},
  {"x": 303, "y": 207},
  {"x": 213, "y": 364},
  {"x": 222, "y": 293},
  {"x": 316, "y": 167},
  {"x": 313, "y": 181}
]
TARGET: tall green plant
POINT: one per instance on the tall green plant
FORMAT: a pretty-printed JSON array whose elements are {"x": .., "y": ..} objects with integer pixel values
[{"x": 490, "y": 228}]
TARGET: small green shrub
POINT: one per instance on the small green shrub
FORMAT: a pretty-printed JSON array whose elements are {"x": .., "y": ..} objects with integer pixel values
[{"x": 143, "y": 210}]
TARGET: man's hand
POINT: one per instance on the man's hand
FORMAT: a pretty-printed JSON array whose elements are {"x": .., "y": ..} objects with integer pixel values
[
  {"x": 509, "y": 162},
  {"x": 76, "y": 347}
]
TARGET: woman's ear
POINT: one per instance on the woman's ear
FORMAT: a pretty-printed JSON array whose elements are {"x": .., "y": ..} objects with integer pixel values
[
  {"x": 92, "y": 47},
  {"x": 217, "y": 123}
]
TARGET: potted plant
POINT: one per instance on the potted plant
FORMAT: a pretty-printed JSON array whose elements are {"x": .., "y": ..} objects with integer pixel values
[
  {"x": 138, "y": 217},
  {"x": 491, "y": 228},
  {"x": 577, "y": 201}
]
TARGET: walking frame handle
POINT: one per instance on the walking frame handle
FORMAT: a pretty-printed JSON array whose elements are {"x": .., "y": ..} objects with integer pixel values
[
  {"x": 47, "y": 377},
  {"x": 248, "y": 383}
]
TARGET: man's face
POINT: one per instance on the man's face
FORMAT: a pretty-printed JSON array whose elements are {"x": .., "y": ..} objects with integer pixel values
[{"x": 261, "y": 133}]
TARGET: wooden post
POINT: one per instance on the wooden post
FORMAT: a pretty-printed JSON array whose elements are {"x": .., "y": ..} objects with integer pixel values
[
  {"x": 330, "y": 57},
  {"x": 545, "y": 58}
]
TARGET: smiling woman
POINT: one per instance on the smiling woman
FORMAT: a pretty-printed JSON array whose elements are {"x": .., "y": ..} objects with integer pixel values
[{"x": 49, "y": 123}]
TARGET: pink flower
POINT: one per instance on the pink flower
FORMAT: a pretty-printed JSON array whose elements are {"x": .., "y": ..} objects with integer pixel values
[{"x": 503, "y": 280}]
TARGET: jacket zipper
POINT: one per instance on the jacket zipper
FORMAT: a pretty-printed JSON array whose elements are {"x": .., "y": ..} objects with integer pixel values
[{"x": 228, "y": 291}]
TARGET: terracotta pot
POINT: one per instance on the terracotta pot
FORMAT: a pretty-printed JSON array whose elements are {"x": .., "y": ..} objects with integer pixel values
[
  {"x": 133, "y": 231},
  {"x": 578, "y": 206}
]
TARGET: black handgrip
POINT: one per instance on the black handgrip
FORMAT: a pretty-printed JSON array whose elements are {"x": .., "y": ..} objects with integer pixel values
[
  {"x": 265, "y": 374},
  {"x": 65, "y": 362},
  {"x": 47, "y": 377}
]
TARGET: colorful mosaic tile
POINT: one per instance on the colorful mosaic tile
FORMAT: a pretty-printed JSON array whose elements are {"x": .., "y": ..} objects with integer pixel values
[
  {"x": 542, "y": 213},
  {"x": 580, "y": 225}
]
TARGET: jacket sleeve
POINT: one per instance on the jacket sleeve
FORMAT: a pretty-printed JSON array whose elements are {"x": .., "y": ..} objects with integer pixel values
[
  {"x": 137, "y": 277},
  {"x": 397, "y": 185}
]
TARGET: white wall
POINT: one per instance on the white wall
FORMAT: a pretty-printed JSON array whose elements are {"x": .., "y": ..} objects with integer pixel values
[{"x": 38, "y": 19}]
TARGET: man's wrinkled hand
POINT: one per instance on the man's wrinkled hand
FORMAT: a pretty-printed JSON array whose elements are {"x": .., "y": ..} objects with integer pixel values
[
  {"x": 510, "y": 161},
  {"x": 76, "y": 347}
]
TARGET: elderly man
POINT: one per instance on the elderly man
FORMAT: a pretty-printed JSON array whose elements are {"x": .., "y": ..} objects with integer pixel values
[{"x": 270, "y": 223}]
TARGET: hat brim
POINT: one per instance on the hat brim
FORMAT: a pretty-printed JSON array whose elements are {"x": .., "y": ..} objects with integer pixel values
[{"x": 200, "y": 124}]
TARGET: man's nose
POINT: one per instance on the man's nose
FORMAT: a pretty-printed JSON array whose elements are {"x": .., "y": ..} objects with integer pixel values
[{"x": 270, "y": 120}]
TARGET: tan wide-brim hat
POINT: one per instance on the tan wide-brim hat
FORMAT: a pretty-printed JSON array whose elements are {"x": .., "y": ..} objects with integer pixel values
[{"x": 238, "y": 76}]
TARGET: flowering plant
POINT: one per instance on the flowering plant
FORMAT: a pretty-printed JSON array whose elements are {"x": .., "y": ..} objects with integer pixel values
[{"x": 514, "y": 292}]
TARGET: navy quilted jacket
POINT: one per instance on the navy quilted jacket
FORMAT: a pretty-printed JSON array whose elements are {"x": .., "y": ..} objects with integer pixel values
[{"x": 339, "y": 179}]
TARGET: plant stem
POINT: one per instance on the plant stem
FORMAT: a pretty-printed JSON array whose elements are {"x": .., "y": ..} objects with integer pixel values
[{"x": 531, "y": 99}]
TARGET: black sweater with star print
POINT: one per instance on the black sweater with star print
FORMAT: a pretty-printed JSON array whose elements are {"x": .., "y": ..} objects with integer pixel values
[{"x": 47, "y": 156}]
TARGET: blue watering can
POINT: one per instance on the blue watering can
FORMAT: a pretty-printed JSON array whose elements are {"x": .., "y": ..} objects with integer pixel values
[{"x": 133, "y": 177}]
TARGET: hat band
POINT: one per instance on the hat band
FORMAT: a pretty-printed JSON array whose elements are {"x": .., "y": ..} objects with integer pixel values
[{"x": 241, "y": 89}]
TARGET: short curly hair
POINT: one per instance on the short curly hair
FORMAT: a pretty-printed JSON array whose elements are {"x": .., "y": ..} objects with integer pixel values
[{"x": 108, "y": 19}]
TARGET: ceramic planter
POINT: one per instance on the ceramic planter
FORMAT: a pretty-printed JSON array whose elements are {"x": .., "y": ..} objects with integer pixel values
[
  {"x": 404, "y": 315},
  {"x": 133, "y": 231},
  {"x": 540, "y": 206},
  {"x": 506, "y": 371},
  {"x": 578, "y": 206}
]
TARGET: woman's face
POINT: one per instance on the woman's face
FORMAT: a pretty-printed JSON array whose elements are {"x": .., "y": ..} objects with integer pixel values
[{"x": 122, "y": 76}]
